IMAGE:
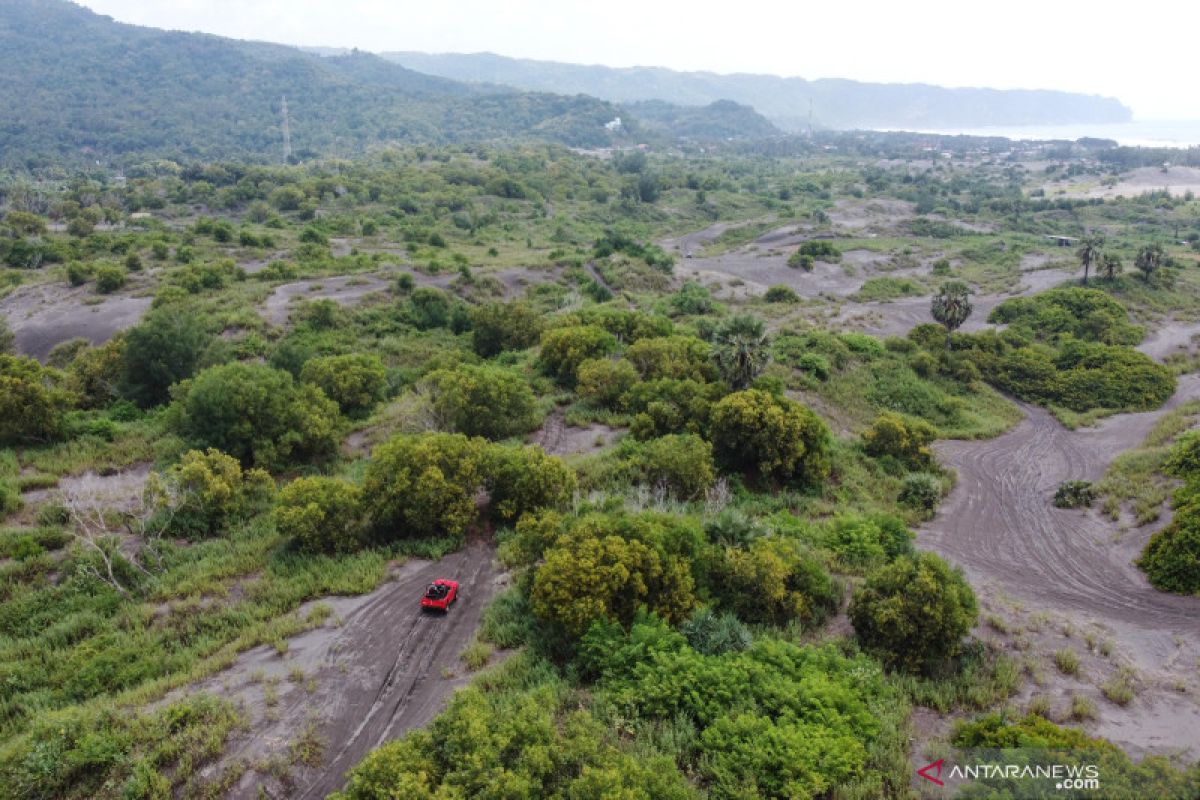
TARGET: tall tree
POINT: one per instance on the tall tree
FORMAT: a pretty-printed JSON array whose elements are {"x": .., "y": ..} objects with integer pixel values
[
  {"x": 740, "y": 350},
  {"x": 1149, "y": 259},
  {"x": 1090, "y": 252},
  {"x": 951, "y": 306}
]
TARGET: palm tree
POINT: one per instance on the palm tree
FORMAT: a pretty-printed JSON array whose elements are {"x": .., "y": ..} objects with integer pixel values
[
  {"x": 951, "y": 306},
  {"x": 740, "y": 350},
  {"x": 1149, "y": 259},
  {"x": 1111, "y": 266},
  {"x": 1089, "y": 253}
]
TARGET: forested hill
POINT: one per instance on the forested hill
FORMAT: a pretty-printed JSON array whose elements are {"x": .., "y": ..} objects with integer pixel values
[
  {"x": 79, "y": 85},
  {"x": 784, "y": 101}
]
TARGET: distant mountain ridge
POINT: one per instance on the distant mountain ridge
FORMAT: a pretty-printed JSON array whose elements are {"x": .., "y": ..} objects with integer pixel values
[{"x": 786, "y": 102}]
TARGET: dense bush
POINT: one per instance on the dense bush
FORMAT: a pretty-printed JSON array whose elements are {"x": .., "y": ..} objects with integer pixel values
[
  {"x": 774, "y": 720},
  {"x": 524, "y": 479},
  {"x": 914, "y": 612},
  {"x": 32, "y": 401},
  {"x": 432, "y": 308},
  {"x": 671, "y": 357},
  {"x": 356, "y": 382},
  {"x": 206, "y": 492},
  {"x": 921, "y": 491},
  {"x": 607, "y": 567},
  {"x": 1171, "y": 559},
  {"x": 681, "y": 463},
  {"x": 754, "y": 431},
  {"x": 164, "y": 349},
  {"x": 862, "y": 541},
  {"x": 483, "y": 400},
  {"x": 424, "y": 485},
  {"x": 1088, "y": 314},
  {"x": 110, "y": 278},
  {"x": 257, "y": 414},
  {"x": 775, "y": 581},
  {"x": 779, "y": 293},
  {"x": 532, "y": 744},
  {"x": 670, "y": 406},
  {"x": 605, "y": 381},
  {"x": 907, "y": 441},
  {"x": 583, "y": 579},
  {"x": 323, "y": 514},
  {"x": 504, "y": 326},
  {"x": 564, "y": 349}
]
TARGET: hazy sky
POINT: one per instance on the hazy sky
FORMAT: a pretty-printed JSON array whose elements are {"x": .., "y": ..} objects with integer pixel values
[{"x": 1143, "y": 53}]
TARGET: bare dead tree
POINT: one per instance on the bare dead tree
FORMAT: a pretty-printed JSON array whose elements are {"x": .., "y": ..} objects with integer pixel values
[{"x": 93, "y": 519}]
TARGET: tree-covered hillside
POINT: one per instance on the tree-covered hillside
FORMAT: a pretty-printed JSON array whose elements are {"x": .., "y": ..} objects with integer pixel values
[{"x": 78, "y": 85}]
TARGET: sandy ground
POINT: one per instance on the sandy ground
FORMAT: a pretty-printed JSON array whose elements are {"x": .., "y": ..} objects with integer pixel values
[
  {"x": 559, "y": 439},
  {"x": 999, "y": 524},
  {"x": 45, "y": 315},
  {"x": 898, "y": 317},
  {"x": 1176, "y": 180},
  {"x": 377, "y": 669},
  {"x": 343, "y": 289}
]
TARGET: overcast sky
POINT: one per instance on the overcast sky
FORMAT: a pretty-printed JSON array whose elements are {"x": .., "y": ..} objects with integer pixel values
[{"x": 1143, "y": 53}]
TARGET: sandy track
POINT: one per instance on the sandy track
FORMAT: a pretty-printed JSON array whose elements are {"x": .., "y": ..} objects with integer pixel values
[
  {"x": 386, "y": 670},
  {"x": 45, "y": 315},
  {"x": 999, "y": 524}
]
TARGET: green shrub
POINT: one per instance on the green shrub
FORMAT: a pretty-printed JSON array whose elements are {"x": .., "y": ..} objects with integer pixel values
[
  {"x": 324, "y": 515},
  {"x": 33, "y": 402},
  {"x": 430, "y": 308},
  {"x": 920, "y": 491},
  {"x": 670, "y": 406},
  {"x": 257, "y": 414},
  {"x": 164, "y": 349},
  {"x": 483, "y": 401},
  {"x": 906, "y": 441},
  {"x": 109, "y": 278},
  {"x": 593, "y": 573},
  {"x": 207, "y": 492},
  {"x": 356, "y": 382},
  {"x": 605, "y": 382},
  {"x": 524, "y": 479},
  {"x": 691, "y": 299},
  {"x": 564, "y": 349},
  {"x": 774, "y": 581},
  {"x": 1088, "y": 314},
  {"x": 914, "y": 612},
  {"x": 1074, "y": 494},
  {"x": 802, "y": 261},
  {"x": 682, "y": 463},
  {"x": 424, "y": 485},
  {"x": 753, "y": 431},
  {"x": 713, "y": 634},
  {"x": 671, "y": 357},
  {"x": 505, "y": 326},
  {"x": 780, "y": 293}
]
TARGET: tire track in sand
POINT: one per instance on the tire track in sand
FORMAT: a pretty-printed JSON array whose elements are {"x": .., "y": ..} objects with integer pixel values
[{"x": 1000, "y": 525}]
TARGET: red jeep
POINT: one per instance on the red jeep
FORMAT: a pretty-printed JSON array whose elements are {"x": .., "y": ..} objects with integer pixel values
[{"x": 440, "y": 595}]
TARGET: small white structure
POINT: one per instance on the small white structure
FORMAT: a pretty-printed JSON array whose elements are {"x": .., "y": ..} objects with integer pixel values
[{"x": 613, "y": 126}]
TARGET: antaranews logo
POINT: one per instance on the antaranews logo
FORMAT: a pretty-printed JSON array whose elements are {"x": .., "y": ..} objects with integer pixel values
[{"x": 1014, "y": 773}]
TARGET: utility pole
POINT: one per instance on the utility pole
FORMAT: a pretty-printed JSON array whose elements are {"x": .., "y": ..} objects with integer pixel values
[{"x": 287, "y": 133}]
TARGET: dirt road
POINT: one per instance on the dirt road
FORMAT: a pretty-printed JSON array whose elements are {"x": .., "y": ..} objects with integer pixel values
[
  {"x": 386, "y": 669},
  {"x": 999, "y": 524}
]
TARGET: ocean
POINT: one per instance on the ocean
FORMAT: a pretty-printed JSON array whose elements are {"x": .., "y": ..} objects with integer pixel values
[{"x": 1139, "y": 133}]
